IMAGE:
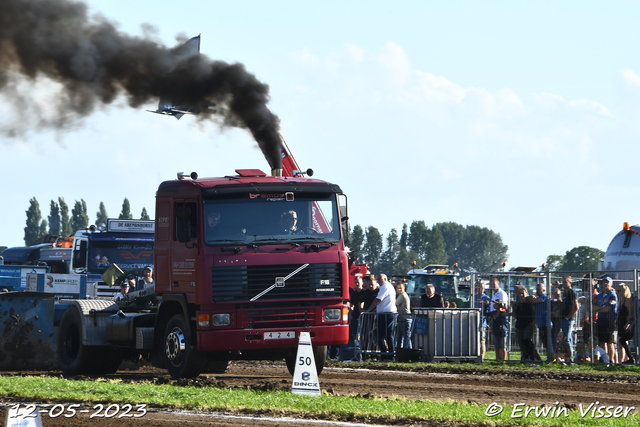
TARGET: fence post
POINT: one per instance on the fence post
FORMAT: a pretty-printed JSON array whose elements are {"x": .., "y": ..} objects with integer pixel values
[{"x": 636, "y": 313}]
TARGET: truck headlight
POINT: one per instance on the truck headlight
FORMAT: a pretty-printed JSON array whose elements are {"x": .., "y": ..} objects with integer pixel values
[
  {"x": 332, "y": 314},
  {"x": 221, "y": 319}
]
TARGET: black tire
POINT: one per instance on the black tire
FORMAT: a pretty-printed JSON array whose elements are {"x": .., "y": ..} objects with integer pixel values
[
  {"x": 217, "y": 366},
  {"x": 319, "y": 356},
  {"x": 181, "y": 360},
  {"x": 111, "y": 358},
  {"x": 291, "y": 363},
  {"x": 76, "y": 358}
]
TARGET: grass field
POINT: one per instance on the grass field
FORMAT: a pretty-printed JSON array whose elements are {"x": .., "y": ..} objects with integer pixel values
[
  {"x": 512, "y": 364},
  {"x": 280, "y": 402}
]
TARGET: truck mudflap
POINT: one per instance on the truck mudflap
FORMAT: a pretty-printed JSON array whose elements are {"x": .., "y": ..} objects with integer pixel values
[{"x": 28, "y": 338}]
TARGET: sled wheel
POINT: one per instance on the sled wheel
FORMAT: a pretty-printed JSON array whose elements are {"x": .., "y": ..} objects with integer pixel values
[{"x": 73, "y": 356}]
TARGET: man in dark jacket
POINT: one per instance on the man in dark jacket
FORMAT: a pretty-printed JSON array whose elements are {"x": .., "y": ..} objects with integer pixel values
[
  {"x": 370, "y": 291},
  {"x": 431, "y": 298},
  {"x": 355, "y": 300},
  {"x": 569, "y": 309}
]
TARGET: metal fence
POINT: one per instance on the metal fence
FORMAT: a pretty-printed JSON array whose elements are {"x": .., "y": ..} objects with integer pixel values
[
  {"x": 436, "y": 335},
  {"x": 447, "y": 334},
  {"x": 456, "y": 334},
  {"x": 582, "y": 337}
]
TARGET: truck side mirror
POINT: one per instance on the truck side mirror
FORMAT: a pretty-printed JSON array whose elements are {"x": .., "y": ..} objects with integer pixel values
[
  {"x": 344, "y": 218},
  {"x": 345, "y": 228}
]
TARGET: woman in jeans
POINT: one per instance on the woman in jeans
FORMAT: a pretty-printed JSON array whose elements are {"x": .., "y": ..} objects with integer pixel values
[
  {"x": 556, "y": 313},
  {"x": 403, "y": 304}
]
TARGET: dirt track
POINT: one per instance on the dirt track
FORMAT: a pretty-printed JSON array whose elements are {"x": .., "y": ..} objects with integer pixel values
[{"x": 501, "y": 386}]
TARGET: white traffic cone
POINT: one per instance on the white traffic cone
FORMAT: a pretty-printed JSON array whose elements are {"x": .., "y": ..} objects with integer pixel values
[{"x": 305, "y": 376}]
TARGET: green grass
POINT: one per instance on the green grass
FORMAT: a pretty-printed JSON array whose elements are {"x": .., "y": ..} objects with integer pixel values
[
  {"x": 491, "y": 365},
  {"x": 279, "y": 402}
]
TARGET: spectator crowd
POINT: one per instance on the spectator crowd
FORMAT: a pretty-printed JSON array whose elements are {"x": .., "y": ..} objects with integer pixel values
[{"x": 602, "y": 320}]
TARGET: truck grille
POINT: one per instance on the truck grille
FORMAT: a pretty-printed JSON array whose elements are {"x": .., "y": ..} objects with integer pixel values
[
  {"x": 280, "y": 318},
  {"x": 244, "y": 282}
]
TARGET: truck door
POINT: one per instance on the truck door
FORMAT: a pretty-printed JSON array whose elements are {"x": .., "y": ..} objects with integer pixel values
[{"x": 184, "y": 246}]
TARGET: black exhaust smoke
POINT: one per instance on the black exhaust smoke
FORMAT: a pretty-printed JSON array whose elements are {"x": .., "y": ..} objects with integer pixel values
[{"x": 93, "y": 63}]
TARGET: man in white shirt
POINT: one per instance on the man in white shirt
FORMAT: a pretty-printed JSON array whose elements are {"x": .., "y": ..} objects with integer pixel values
[
  {"x": 387, "y": 313},
  {"x": 498, "y": 310}
]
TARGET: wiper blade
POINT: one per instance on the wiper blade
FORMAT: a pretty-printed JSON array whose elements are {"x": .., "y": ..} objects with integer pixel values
[
  {"x": 274, "y": 240},
  {"x": 233, "y": 242},
  {"x": 314, "y": 239}
]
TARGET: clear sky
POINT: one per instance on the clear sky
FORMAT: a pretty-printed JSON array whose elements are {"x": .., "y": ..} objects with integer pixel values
[{"x": 517, "y": 116}]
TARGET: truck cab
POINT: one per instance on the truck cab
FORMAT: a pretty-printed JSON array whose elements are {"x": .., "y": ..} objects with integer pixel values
[
  {"x": 243, "y": 264},
  {"x": 38, "y": 259},
  {"x": 126, "y": 243},
  {"x": 256, "y": 260},
  {"x": 529, "y": 277},
  {"x": 443, "y": 278}
]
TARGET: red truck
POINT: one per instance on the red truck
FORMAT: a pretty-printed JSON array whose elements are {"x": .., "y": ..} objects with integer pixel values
[
  {"x": 246, "y": 287},
  {"x": 234, "y": 279}
]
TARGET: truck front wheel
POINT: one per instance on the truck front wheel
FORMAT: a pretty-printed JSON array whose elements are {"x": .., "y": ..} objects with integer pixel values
[
  {"x": 182, "y": 361},
  {"x": 217, "y": 366}
]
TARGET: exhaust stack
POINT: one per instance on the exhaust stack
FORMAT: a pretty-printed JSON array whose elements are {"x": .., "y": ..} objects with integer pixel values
[{"x": 276, "y": 172}]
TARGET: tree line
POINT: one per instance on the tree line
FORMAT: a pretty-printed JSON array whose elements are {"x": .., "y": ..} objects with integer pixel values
[
  {"x": 580, "y": 258},
  {"x": 474, "y": 248},
  {"x": 60, "y": 223}
]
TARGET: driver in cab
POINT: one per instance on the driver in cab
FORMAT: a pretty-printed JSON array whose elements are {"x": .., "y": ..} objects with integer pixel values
[
  {"x": 213, "y": 224},
  {"x": 289, "y": 220}
]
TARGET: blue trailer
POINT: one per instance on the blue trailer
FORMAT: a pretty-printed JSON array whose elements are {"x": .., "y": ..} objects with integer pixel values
[{"x": 45, "y": 286}]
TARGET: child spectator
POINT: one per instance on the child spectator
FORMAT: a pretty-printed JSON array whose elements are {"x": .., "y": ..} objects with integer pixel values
[
  {"x": 582, "y": 353},
  {"x": 563, "y": 350},
  {"x": 599, "y": 354}
]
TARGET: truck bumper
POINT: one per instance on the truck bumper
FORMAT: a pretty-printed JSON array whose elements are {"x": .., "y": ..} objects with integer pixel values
[{"x": 246, "y": 339}]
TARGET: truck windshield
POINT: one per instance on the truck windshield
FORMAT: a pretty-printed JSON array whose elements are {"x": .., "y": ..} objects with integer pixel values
[
  {"x": 127, "y": 255},
  {"x": 443, "y": 284},
  {"x": 271, "y": 218}
]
